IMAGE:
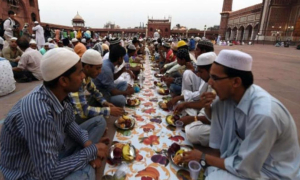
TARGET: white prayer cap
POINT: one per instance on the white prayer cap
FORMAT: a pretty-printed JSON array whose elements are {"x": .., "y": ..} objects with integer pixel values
[
  {"x": 33, "y": 35},
  {"x": 50, "y": 39},
  {"x": 206, "y": 59},
  {"x": 51, "y": 46},
  {"x": 46, "y": 44},
  {"x": 99, "y": 39},
  {"x": 235, "y": 59},
  {"x": 131, "y": 47},
  {"x": 56, "y": 62},
  {"x": 93, "y": 40},
  {"x": 1, "y": 40},
  {"x": 192, "y": 37},
  {"x": 74, "y": 40},
  {"x": 155, "y": 43},
  {"x": 197, "y": 38},
  {"x": 32, "y": 41},
  {"x": 92, "y": 57},
  {"x": 13, "y": 39},
  {"x": 35, "y": 22},
  {"x": 83, "y": 40},
  {"x": 141, "y": 40}
]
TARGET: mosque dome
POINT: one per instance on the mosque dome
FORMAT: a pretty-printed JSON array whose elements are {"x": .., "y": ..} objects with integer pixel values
[{"x": 78, "y": 17}]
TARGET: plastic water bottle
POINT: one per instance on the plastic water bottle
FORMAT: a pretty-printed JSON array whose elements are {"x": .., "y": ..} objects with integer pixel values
[
  {"x": 127, "y": 65},
  {"x": 141, "y": 79}
]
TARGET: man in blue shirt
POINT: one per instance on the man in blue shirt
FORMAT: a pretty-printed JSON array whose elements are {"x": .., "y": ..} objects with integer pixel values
[
  {"x": 39, "y": 137},
  {"x": 114, "y": 93},
  {"x": 253, "y": 136},
  {"x": 192, "y": 44}
]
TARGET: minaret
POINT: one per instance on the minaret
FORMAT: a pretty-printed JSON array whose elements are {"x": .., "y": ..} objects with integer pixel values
[{"x": 227, "y": 8}]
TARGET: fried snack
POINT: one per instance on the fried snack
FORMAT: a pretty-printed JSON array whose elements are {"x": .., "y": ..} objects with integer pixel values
[
  {"x": 121, "y": 120},
  {"x": 178, "y": 159},
  {"x": 163, "y": 105}
]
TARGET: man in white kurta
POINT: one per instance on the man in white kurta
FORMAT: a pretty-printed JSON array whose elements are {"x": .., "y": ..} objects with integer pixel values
[
  {"x": 253, "y": 136},
  {"x": 39, "y": 35}
]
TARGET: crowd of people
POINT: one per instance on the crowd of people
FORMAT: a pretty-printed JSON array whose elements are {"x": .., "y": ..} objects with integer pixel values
[{"x": 58, "y": 130}]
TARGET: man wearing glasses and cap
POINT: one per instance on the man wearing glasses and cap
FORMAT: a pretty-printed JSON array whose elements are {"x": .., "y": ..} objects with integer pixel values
[{"x": 253, "y": 136}]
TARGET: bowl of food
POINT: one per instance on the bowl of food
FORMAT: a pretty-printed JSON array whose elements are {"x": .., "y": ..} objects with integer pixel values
[
  {"x": 125, "y": 122},
  {"x": 163, "y": 91},
  {"x": 133, "y": 102},
  {"x": 171, "y": 119},
  {"x": 175, "y": 153},
  {"x": 163, "y": 105},
  {"x": 119, "y": 152},
  {"x": 158, "y": 75}
]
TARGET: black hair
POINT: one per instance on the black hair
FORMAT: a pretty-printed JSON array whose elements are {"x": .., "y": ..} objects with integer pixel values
[
  {"x": 66, "y": 42},
  {"x": 183, "y": 47},
  {"x": 111, "y": 46},
  {"x": 84, "y": 64},
  {"x": 183, "y": 54},
  {"x": 205, "y": 48},
  {"x": 23, "y": 43},
  {"x": 117, "y": 52},
  {"x": 53, "y": 83},
  {"x": 246, "y": 76},
  {"x": 135, "y": 41},
  {"x": 206, "y": 67},
  {"x": 10, "y": 12}
]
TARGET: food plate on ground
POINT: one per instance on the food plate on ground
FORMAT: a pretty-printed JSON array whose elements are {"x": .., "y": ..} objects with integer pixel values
[
  {"x": 133, "y": 102},
  {"x": 175, "y": 153},
  {"x": 158, "y": 75},
  {"x": 163, "y": 105},
  {"x": 125, "y": 122},
  {"x": 119, "y": 152},
  {"x": 159, "y": 84},
  {"x": 155, "y": 69},
  {"x": 171, "y": 119},
  {"x": 163, "y": 91}
]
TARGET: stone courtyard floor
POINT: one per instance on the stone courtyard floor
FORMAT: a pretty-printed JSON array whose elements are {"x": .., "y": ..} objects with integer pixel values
[{"x": 276, "y": 69}]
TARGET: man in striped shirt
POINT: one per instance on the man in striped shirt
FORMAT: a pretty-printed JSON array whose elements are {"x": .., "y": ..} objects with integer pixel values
[{"x": 40, "y": 139}]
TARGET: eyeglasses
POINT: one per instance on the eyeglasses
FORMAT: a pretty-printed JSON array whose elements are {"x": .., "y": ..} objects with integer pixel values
[{"x": 216, "y": 78}]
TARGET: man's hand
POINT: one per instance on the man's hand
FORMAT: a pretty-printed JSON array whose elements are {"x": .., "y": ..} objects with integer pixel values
[
  {"x": 105, "y": 140},
  {"x": 171, "y": 103},
  {"x": 180, "y": 107},
  {"x": 163, "y": 70},
  {"x": 192, "y": 155},
  {"x": 107, "y": 104},
  {"x": 129, "y": 91},
  {"x": 207, "y": 98},
  {"x": 102, "y": 150},
  {"x": 131, "y": 74},
  {"x": 96, "y": 163},
  {"x": 116, "y": 111}
]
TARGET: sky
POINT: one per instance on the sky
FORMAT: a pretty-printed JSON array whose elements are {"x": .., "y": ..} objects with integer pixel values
[{"x": 130, "y": 13}]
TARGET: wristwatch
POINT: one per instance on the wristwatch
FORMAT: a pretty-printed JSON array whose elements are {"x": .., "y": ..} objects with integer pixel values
[{"x": 202, "y": 161}]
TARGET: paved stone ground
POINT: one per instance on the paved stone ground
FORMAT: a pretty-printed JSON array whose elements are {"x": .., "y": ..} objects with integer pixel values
[{"x": 277, "y": 70}]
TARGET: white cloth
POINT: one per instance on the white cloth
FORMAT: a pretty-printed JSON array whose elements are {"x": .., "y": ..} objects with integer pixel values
[
  {"x": 190, "y": 81},
  {"x": 30, "y": 61},
  {"x": 8, "y": 27},
  {"x": 7, "y": 80},
  {"x": 75, "y": 33},
  {"x": 198, "y": 133},
  {"x": 106, "y": 56},
  {"x": 256, "y": 135},
  {"x": 39, "y": 36},
  {"x": 125, "y": 77},
  {"x": 68, "y": 48}
]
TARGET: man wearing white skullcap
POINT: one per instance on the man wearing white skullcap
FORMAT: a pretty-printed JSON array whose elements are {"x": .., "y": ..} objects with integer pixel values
[
  {"x": 45, "y": 48},
  {"x": 39, "y": 34},
  {"x": 197, "y": 125},
  {"x": 28, "y": 68},
  {"x": 92, "y": 64},
  {"x": 253, "y": 136},
  {"x": 32, "y": 44},
  {"x": 12, "y": 52},
  {"x": 52, "y": 145}
]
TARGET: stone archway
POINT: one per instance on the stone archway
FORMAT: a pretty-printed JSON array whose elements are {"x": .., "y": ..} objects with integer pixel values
[
  {"x": 248, "y": 33},
  {"x": 233, "y": 33},
  {"x": 296, "y": 32},
  {"x": 228, "y": 34},
  {"x": 240, "y": 34},
  {"x": 255, "y": 32}
]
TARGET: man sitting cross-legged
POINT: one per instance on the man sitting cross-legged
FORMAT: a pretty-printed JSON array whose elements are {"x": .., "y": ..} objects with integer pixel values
[{"x": 40, "y": 138}]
